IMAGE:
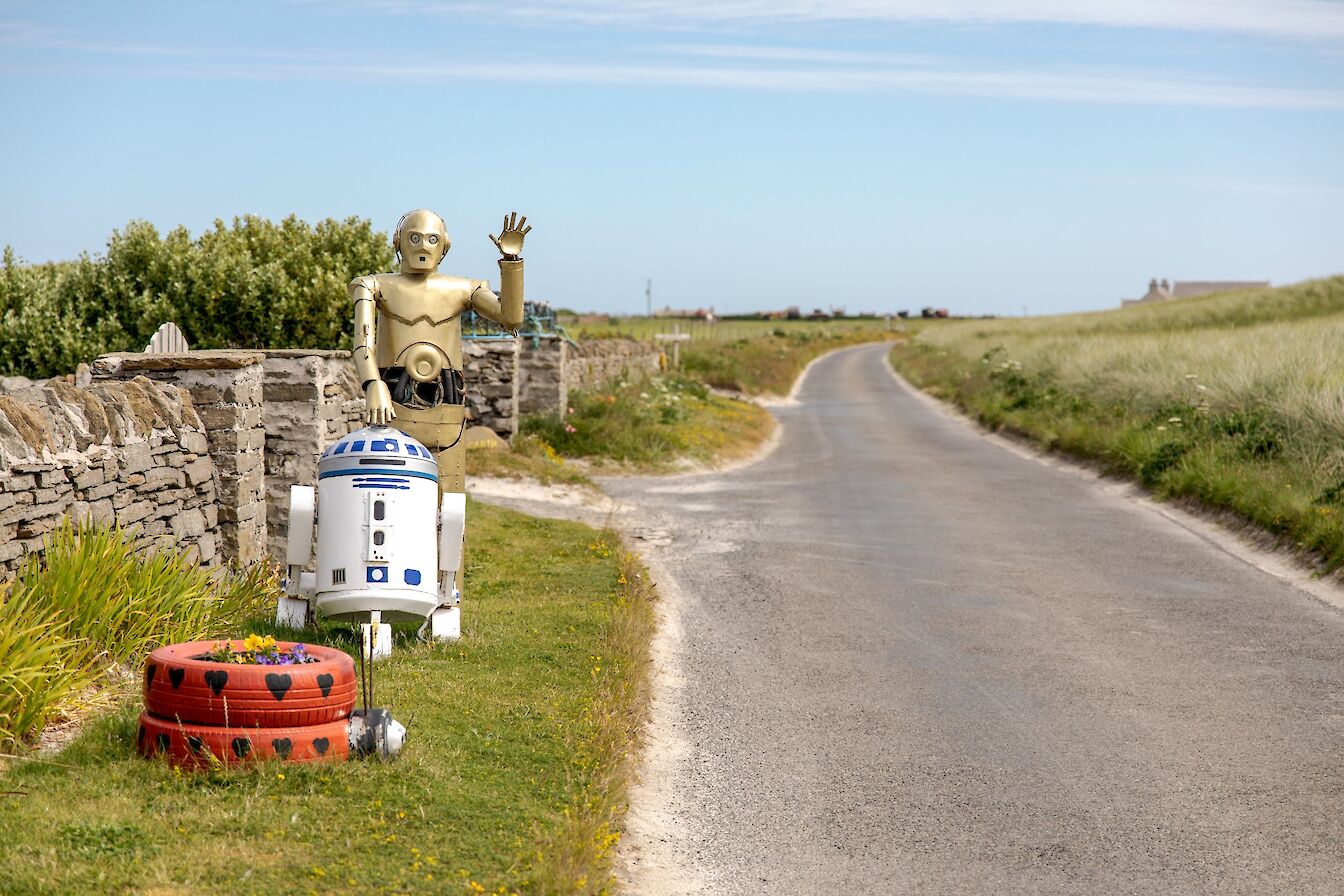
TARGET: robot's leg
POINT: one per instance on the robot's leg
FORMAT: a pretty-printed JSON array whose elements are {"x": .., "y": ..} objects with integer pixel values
[
  {"x": 291, "y": 612},
  {"x": 445, "y": 623},
  {"x": 380, "y": 632},
  {"x": 292, "y": 608}
]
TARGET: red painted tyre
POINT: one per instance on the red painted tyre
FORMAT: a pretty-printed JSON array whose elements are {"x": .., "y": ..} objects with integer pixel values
[
  {"x": 180, "y": 687},
  {"x": 200, "y": 746}
]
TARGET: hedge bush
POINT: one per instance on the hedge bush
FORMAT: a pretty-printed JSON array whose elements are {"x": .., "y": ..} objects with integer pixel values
[{"x": 250, "y": 284}]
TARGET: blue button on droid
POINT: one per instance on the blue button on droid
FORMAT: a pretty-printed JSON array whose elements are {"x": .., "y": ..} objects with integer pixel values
[
  {"x": 412, "y": 576},
  {"x": 376, "y": 574}
]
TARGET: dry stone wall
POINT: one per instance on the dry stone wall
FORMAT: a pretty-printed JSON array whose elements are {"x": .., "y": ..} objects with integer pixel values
[
  {"x": 311, "y": 398},
  {"x": 133, "y": 453},
  {"x": 491, "y": 371},
  {"x": 226, "y": 392},
  {"x": 201, "y": 446},
  {"x": 542, "y": 387},
  {"x": 599, "y": 361}
]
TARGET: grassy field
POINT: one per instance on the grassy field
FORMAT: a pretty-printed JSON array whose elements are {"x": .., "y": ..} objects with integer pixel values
[
  {"x": 512, "y": 779},
  {"x": 1232, "y": 401},
  {"x": 721, "y": 331},
  {"x": 770, "y": 362}
]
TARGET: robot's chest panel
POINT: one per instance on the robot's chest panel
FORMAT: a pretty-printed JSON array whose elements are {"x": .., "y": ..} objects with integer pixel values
[{"x": 431, "y": 302}]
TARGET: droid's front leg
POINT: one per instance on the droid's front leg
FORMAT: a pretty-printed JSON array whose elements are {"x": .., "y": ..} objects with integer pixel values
[
  {"x": 445, "y": 623},
  {"x": 292, "y": 607}
]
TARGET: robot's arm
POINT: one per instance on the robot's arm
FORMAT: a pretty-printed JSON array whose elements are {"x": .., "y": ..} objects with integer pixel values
[
  {"x": 506, "y": 309},
  {"x": 378, "y": 402}
]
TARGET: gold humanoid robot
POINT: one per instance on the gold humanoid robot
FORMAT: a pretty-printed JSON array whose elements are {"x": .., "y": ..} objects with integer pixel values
[{"x": 408, "y": 345}]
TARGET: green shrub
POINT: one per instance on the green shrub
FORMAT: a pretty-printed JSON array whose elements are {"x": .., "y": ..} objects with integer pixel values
[
  {"x": 91, "y": 601},
  {"x": 251, "y": 284}
]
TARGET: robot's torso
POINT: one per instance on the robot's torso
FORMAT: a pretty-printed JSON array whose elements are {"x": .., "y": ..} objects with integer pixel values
[{"x": 416, "y": 311}]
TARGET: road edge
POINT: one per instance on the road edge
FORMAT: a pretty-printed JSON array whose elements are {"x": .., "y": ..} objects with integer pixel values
[{"x": 1275, "y": 563}]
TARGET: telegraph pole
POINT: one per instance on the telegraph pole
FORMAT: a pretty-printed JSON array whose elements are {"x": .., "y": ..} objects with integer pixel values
[{"x": 648, "y": 298}]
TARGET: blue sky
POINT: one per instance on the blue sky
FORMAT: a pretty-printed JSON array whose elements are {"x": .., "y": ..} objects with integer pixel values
[{"x": 985, "y": 156}]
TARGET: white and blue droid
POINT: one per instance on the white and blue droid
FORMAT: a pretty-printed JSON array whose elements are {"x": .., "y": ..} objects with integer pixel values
[{"x": 386, "y": 550}]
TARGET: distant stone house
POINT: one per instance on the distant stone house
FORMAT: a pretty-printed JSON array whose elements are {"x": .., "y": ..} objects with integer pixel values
[{"x": 1161, "y": 291}]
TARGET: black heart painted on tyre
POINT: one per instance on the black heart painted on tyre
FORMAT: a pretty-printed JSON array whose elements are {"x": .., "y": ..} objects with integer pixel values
[
  {"x": 161, "y": 741},
  {"x": 175, "y": 676},
  {"x": 320, "y": 745},
  {"x": 241, "y": 747},
  {"x": 282, "y": 746},
  {"x": 325, "y": 681},
  {"x": 216, "y": 678},
  {"x": 278, "y": 684}
]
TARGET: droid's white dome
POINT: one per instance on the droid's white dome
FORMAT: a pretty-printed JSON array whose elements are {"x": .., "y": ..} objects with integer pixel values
[{"x": 379, "y": 448}]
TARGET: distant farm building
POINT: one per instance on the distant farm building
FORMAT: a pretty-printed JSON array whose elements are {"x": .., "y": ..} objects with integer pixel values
[
  {"x": 1161, "y": 291},
  {"x": 693, "y": 313}
]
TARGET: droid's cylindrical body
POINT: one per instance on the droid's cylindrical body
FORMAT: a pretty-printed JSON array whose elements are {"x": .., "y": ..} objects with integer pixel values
[{"x": 377, "y": 516}]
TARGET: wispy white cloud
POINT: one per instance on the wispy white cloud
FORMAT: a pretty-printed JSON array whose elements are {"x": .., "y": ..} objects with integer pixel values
[
  {"x": 752, "y": 53},
  {"x": 1007, "y": 84},
  {"x": 708, "y": 66},
  {"x": 1316, "y": 19}
]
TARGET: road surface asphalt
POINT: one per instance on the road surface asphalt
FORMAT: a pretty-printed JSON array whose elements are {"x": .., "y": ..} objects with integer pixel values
[{"x": 902, "y": 659}]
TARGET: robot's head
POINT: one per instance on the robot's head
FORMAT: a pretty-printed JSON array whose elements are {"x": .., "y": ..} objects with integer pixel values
[{"x": 420, "y": 241}]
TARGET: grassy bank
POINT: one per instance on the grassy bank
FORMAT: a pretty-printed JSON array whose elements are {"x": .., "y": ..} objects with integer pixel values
[
  {"x": 653, "y": 423},
  {"x": 512, "y": 780},
  {"x": 1234, "y": 401}
]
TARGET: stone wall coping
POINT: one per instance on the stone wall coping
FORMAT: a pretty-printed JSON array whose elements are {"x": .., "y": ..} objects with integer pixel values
[
  {"x": 206, "y": 359},
  {"x": 305, "y": 353}
]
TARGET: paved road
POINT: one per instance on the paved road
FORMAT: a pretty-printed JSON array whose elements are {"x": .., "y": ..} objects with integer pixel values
[{"x": 911, "y": 661}]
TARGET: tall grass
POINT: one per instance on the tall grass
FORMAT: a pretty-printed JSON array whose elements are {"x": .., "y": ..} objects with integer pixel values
[
  {"x": 35, "y": 676},
  {"x": 1235, "y": 401},
  {"x": 90, "y": 601}
]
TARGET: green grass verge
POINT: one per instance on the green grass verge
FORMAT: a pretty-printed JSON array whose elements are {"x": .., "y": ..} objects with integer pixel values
[
  {"x": 654, "y": 423},
  {"x": 512, "y": 780},
  {"x": 528, "y": 457},
  {"x": 1229, "y": 401}
]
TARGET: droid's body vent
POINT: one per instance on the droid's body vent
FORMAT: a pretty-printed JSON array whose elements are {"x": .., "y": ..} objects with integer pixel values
[{"x": 338, "y": 576}]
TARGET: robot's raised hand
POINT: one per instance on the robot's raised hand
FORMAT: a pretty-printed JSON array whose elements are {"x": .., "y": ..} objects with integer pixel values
[
  {"x": 378, "y": 402},
  {"x": 510, "y": 239}
]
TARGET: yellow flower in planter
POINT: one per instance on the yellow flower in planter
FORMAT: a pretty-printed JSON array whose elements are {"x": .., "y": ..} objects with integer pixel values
[{"x": 258, "y": 644}]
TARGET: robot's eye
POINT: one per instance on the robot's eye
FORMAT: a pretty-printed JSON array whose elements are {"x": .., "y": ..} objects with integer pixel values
[
  {"x": 415, "y": 238},
  {"x": 433, "y": 239}
]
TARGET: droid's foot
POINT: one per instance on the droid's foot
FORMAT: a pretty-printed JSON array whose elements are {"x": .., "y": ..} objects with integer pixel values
[
  {"x": 291, "y": 612},
  {"x": 382, "y": 640},
  {"x": 445, "y": 624}
]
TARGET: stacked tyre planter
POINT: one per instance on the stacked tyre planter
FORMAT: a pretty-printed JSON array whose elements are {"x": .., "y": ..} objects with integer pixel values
[{"x": 199, "y": 712}]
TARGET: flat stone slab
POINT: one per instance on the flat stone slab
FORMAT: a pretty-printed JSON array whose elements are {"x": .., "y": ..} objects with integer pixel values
[
  {"x": 206, "y": 359},
  {"x": 483, "y": 437}
]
